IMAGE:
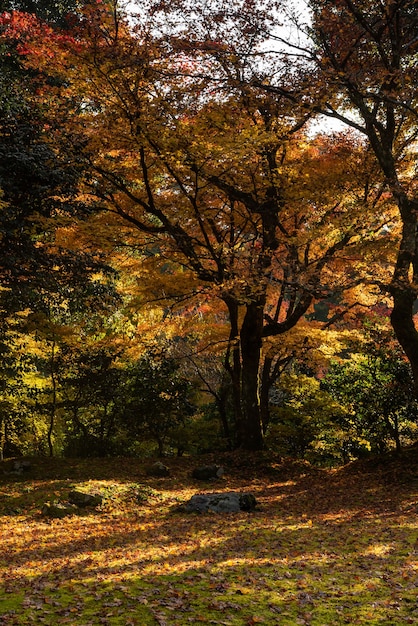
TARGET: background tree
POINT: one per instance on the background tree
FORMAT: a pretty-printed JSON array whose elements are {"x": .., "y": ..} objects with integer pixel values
[
  {"x": 39, "y": 188},
  {"x": 90, "y": 387},
  {"x": 376, "y": 386},
  {"x": 156, "y": 402},
  {"x": 38, "y": 271},
  {"x": 306, "y": 422},
  {"x": 59, "y": 13}
]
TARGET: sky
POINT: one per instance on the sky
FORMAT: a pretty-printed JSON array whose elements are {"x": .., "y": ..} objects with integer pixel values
[{"x": 289, "y": 32}]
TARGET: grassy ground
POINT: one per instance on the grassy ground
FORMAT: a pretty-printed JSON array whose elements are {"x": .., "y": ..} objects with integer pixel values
[{"x": 326, "y": 547}]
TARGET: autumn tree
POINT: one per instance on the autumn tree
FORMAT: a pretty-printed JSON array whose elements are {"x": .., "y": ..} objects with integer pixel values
[
  {"x": 354, "y": 62},
  {"x": 219, "y": 182},
  {"x": 40, "y": 277},
  {"x": 210, "y": 176},
  {"x": 59, "y": 13},
  {"x": 39, "y": 273},
  {"x": 365, "y": 55}
]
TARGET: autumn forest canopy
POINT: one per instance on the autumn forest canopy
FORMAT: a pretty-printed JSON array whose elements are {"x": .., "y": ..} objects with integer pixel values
[{"x": 208, "y": 227}]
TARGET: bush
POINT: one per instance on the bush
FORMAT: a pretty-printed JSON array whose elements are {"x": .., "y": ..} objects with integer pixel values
[{"x": 377, "y": 392}]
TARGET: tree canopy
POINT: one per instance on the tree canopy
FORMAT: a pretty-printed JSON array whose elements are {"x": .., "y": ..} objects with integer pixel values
[{"x": 178, "y": 148}]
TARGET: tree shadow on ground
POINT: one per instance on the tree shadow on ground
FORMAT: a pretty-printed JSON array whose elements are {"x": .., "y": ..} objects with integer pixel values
[
  {"x": 222, "y": 570},
  {"x": 326, "y": 547}
]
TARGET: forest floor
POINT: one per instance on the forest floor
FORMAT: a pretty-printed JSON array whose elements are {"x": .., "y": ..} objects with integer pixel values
[{"x": 324, "y": 548}]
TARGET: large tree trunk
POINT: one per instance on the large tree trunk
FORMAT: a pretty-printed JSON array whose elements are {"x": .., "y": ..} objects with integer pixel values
[
  {"x": 404, "y": 287},
  {"x": 404, "y": 327},
  {"x": 251, "y": 344},
  {"x": 243, "y": 363}
]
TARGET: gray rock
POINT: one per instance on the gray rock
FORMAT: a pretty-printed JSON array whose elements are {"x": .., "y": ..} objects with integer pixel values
[
  {"x": 231, "y": 502},
  {"x": 208, "y": 472},
  {"x": 82, "y": 499}
]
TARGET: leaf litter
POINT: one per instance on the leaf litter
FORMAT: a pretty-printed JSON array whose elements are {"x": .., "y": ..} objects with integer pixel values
[{"x": 326, "y": 547}]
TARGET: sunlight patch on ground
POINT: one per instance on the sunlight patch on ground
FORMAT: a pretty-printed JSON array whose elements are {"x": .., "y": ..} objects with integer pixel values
[{"x": 378, "y": 549}]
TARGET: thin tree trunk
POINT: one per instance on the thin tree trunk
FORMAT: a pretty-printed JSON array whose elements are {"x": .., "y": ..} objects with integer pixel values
[
  {"x": 232, "y": 364},
  {"x": 221, "y": 399},
  {"x": 2, "y": 437},
  {"x": 82, "y": 427},
  {"x": 264, "y": 393},
  {"x": 54, "y": 401}
]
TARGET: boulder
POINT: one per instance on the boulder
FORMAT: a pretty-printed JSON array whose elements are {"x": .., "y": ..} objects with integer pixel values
[
  {"x": 17, "y": 466},
  {"x": 83, "y": 499},
  {"x": 158, "y": 469},
  {"x": 22, "y": 465},
  {"x": 58, "y": 509},
  {"x": 208, "y": 472},
  {"x": 231, "y": 502}
]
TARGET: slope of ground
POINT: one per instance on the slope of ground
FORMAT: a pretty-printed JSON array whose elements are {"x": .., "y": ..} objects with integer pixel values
[{"x": 325, "y": 547}]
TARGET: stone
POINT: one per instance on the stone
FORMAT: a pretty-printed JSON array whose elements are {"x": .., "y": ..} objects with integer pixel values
[
  {"x": 208, "y": 472},
  {"x": 58, "y": 509},
  {"x": 158, "y": 469},
  {"x": 83, "y": 499},
  {"x": 22, "y": 465},
  {"x": 230, "y": 502},
  {"x": 17, "y": 466}
]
